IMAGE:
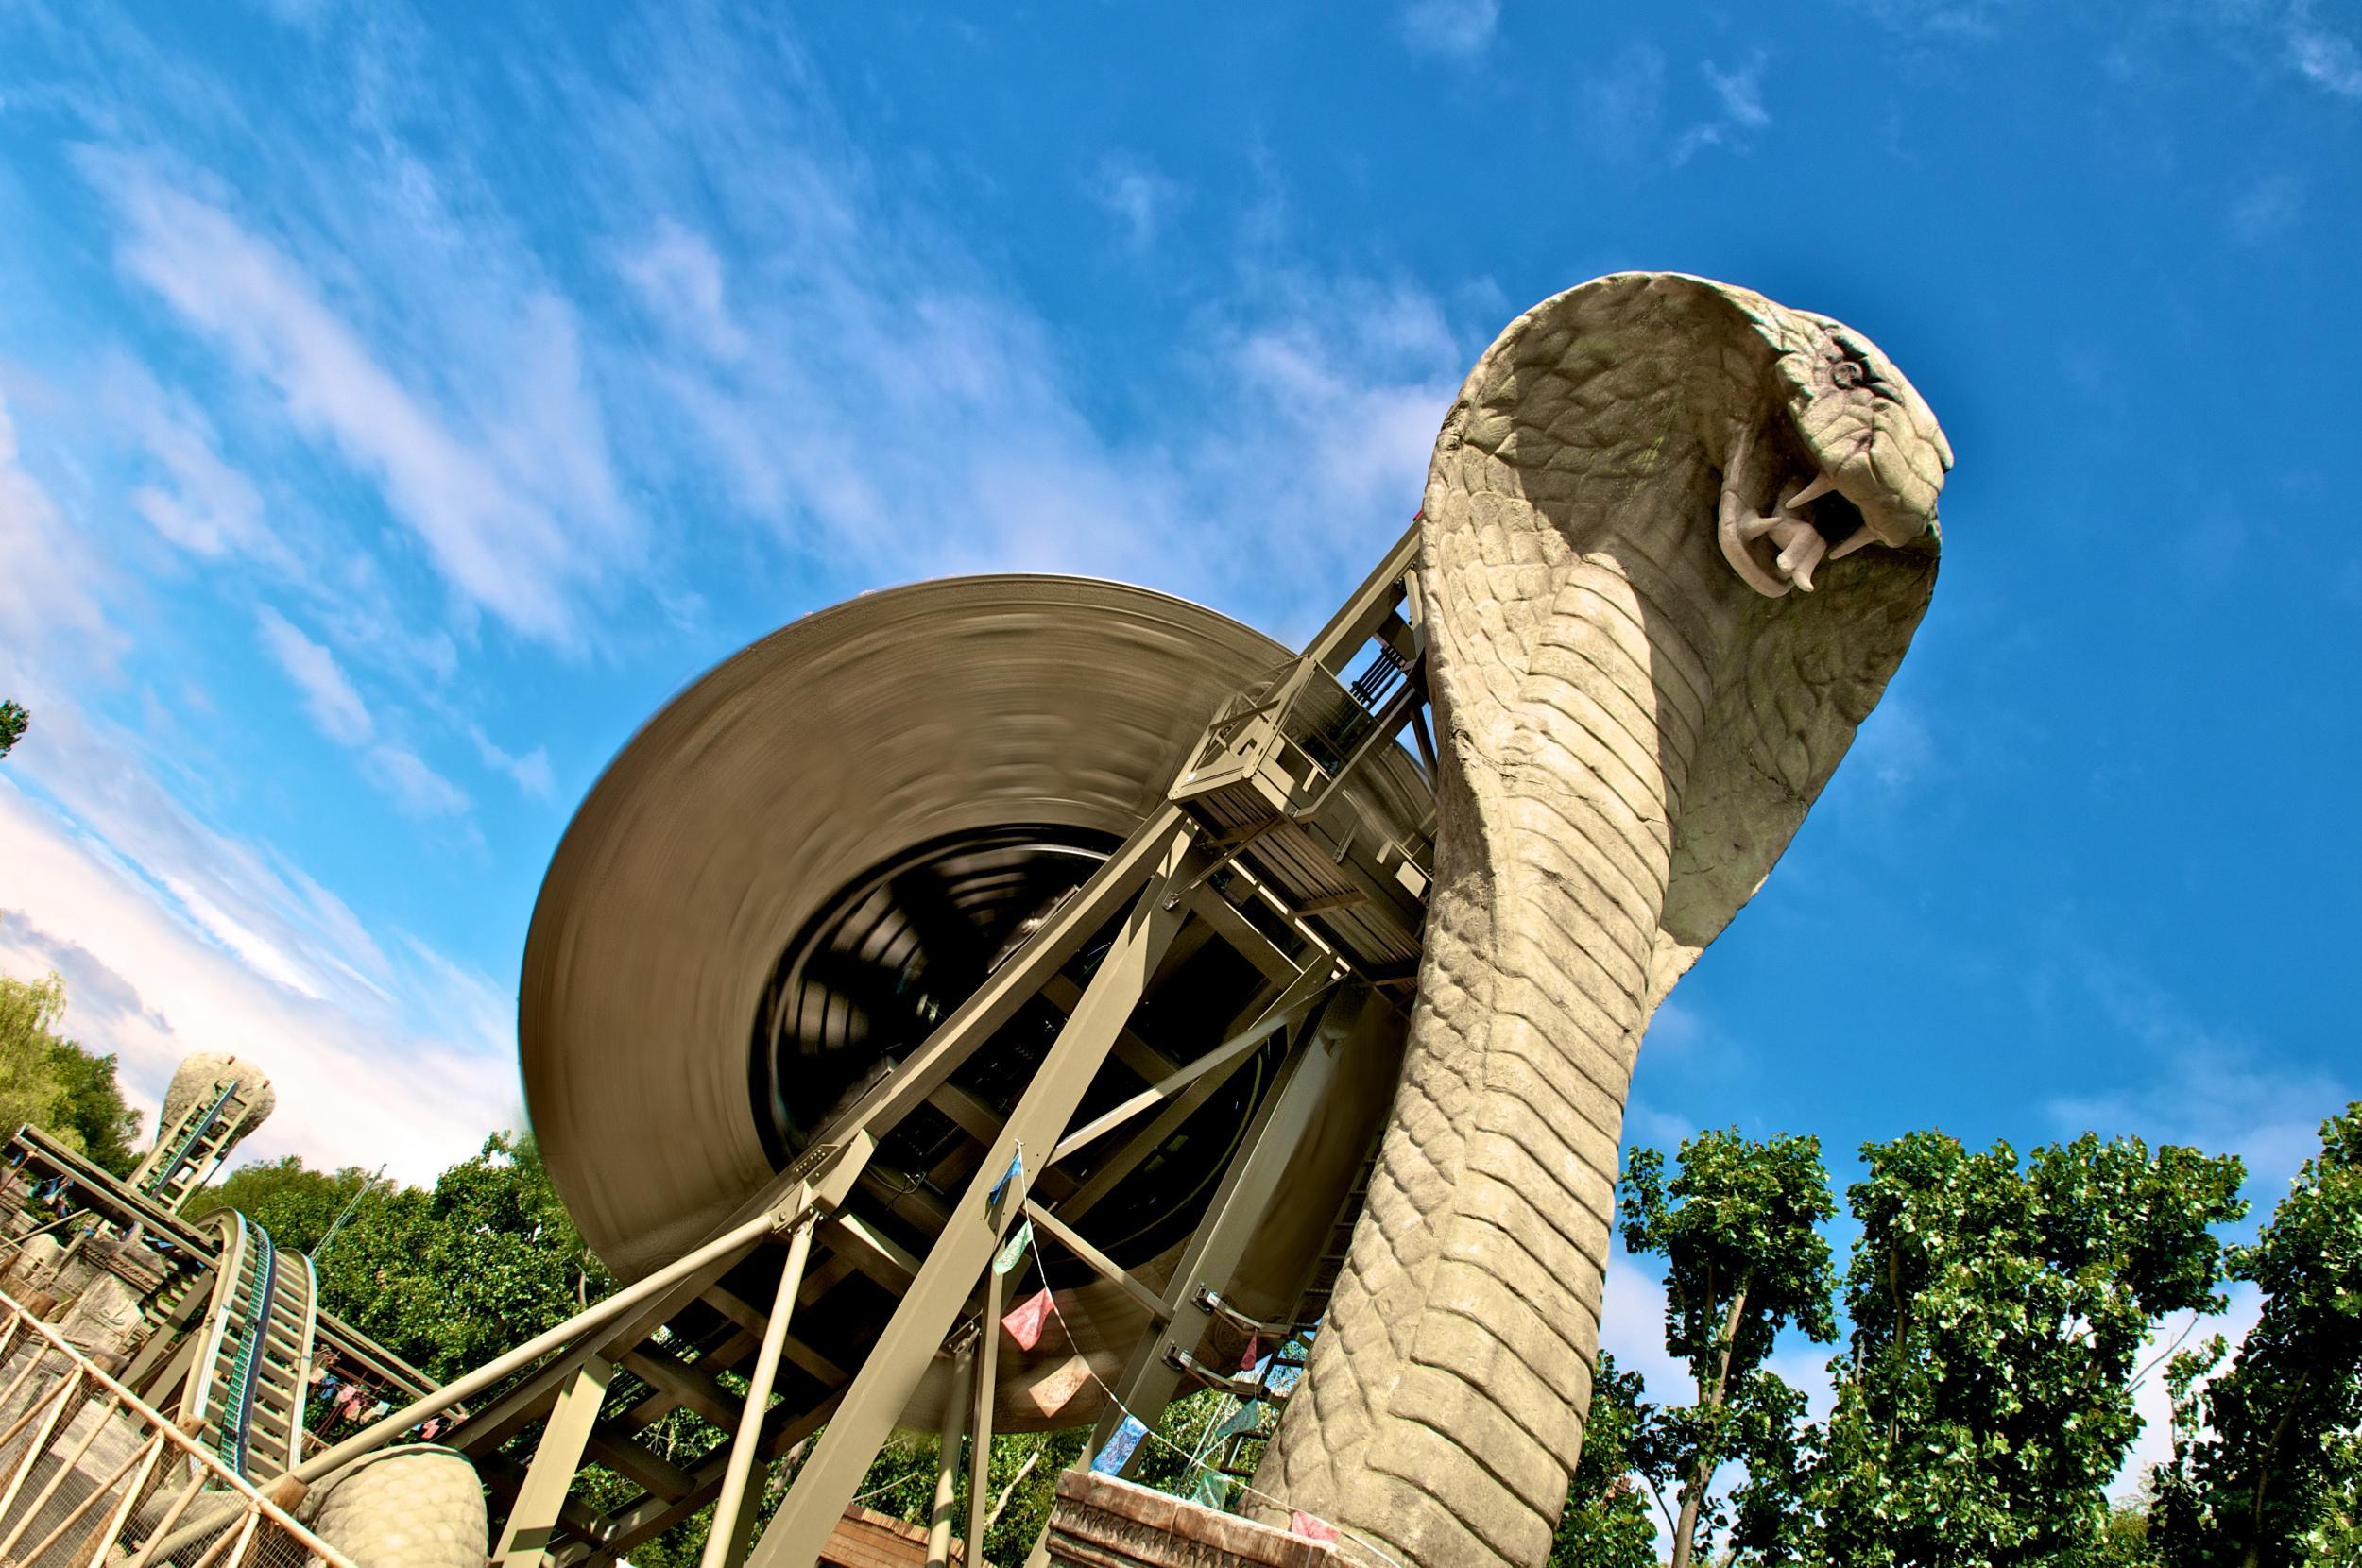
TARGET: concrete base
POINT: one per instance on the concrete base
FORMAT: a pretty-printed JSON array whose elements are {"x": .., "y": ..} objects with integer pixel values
[{"x": 1099, "y": 1522}]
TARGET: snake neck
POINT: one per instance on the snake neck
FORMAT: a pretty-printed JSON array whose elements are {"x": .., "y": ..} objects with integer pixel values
[{"x": 1573, "y": 670}]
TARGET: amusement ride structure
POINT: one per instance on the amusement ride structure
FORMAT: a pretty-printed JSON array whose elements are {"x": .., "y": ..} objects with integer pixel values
[{"x": 1014, "y": 1002}]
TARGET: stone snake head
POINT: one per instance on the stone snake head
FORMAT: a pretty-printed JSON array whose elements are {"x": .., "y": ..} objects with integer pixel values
[{"x": 1676, "y": 538}]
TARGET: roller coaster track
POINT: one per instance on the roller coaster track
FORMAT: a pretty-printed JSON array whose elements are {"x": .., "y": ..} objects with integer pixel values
[
  {"x": 250, "y": 1379},
  {"x": 172, "y": 1177}
]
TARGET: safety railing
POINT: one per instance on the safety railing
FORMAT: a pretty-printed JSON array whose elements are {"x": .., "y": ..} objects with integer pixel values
[{"x": 91, "y": 1476}]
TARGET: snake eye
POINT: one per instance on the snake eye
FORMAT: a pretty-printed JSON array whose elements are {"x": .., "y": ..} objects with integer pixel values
[{"x": 1848, "y": 372}]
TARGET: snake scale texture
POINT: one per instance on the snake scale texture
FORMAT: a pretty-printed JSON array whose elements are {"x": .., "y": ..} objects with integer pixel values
[{"x": 1676, "y": 539}]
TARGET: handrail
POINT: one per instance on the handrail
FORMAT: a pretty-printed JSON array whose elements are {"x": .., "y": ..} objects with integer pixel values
[{"x": 159, "y": 1435}]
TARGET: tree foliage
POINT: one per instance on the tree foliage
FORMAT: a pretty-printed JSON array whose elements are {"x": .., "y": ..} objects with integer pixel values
[
  {"x": 2268, "y": 1453},
  {"x": 53, "y": 1084},
  {"x": 14, "y": 721},
  {"x": 1606, "y": 1523},
  {"x": 1983, "y": 1403},
  {"x": 1995, "y": 1309},
  {"x": 1744, "y": 1261},
  {"x": 446, "y": 1278}
]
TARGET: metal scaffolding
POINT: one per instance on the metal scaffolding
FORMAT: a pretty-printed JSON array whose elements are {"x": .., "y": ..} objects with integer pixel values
[{"x": 824, "y": 1313}]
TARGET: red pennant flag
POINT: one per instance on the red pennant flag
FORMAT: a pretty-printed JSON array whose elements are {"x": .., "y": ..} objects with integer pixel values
[
  {"x": 1303, "y": 1524},
  {"x": 1024, "y": 1321},
  {"x": 1254, "y": 1352}
]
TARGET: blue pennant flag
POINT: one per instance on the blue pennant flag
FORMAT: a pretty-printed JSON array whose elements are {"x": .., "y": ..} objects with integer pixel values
[
  {"x": 1016, "y": 1169},
  {"x": 1113, "y": 1457}
]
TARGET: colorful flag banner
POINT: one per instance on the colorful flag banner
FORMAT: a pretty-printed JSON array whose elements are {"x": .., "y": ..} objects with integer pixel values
[
  {"x": 1017, "y": 1169},
  {"x": 1248, "y": 1417},
  {"x": 1303, "y": 1524},
  {"x": 1012, "y": 1250},
  {"x": 1024, "y": 1320},
  {"x": 1254, "y": 1352},
  {"x": 1052, "y": 1394},
  {"x": 1118, "y": 1453},
  {"x": 1212, "y": 1489}
]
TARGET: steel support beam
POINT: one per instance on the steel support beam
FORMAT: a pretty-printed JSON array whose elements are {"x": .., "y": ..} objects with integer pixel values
[
  {"x": 948, "y": 1459},
  {"x": 883, "y": 1386},
  {"x": 1346, "y": 1035},
  {"x": 980, "y": 1425},
  {"x": 1288, "y": 1010},
  {"x": 524, "y": 1541},
  {"x": 1363, "y": 614},
  {"x": 733, "y": 1523}
]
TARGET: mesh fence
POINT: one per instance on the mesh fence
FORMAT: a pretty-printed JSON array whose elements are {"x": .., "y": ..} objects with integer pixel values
[{"x": 93, "y": 1478}]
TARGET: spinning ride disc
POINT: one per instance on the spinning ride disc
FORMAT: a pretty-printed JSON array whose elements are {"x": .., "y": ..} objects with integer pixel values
[{"x": 817, "y": 850}]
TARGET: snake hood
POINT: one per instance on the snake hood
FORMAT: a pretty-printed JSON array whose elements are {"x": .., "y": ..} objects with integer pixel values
[
  {"x": 1641, "y": 400},
  {"x": 1676, "y": 538}
]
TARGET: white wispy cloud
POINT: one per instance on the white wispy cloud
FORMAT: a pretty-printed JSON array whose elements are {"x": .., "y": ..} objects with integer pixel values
[
  {"x": 1894, "y": 745},
  {"x": 680, "y": 281},
  {"x": 328, "y": 696},
  {"x": 1457, "y": 30},
  {"x": 531, "y": 772},
  {"x": 416, "y": 788},
  {"x": 1137, "y": 196},
  {"x": 197, "y": 499},
  {"x": 338, "y": 712},
  {"x": 2266, "y": 209},
  {"x": 175, "y": 937},
  {"x": 2322, "y": 57},
  {"x": 1623, "y": 101},
  {"x": 1740, "y": 91},
  {"x": 1962, "y": 19},
  {"x": 1739, "y": 104},
  {"x": 487, "y": 510},
  {"x": 49, "y": 589},
  {"x": 902, "y": 412},
  {"x": 2201, "y": 1084},
  {"x": 356, "y": 1084}
]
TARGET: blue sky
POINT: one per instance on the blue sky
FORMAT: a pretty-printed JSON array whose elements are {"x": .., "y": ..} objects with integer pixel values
[{"x": 399, "y": 406}]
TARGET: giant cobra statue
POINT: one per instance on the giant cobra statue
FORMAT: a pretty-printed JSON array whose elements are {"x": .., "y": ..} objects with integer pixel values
[{"x": 1676, "y": 541}]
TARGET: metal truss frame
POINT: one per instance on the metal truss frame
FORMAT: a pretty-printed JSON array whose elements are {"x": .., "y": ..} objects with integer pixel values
[{"x": 1258, "y": 848}]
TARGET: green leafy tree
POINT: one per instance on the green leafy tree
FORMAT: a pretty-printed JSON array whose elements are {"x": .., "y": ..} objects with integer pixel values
[
  {"x": 2124, "y": 1540},
  {"x": 53, "y": 1084},
  {"x": 1984, "y": 1401},
  {"x": 1744, "y": 1261},
  {"x": 14, "y": 721},
  {"x": 2267, "y": 1462},
  {"x": 287, "y": 1197},
  {"x": 1606, "y": 1523},
  {"x": 30, "y": 1090},
  {"x": 446, "y": 1279},
  {"x": 94, "y": 1107},
  {"x": 453, "y": 1277}
]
